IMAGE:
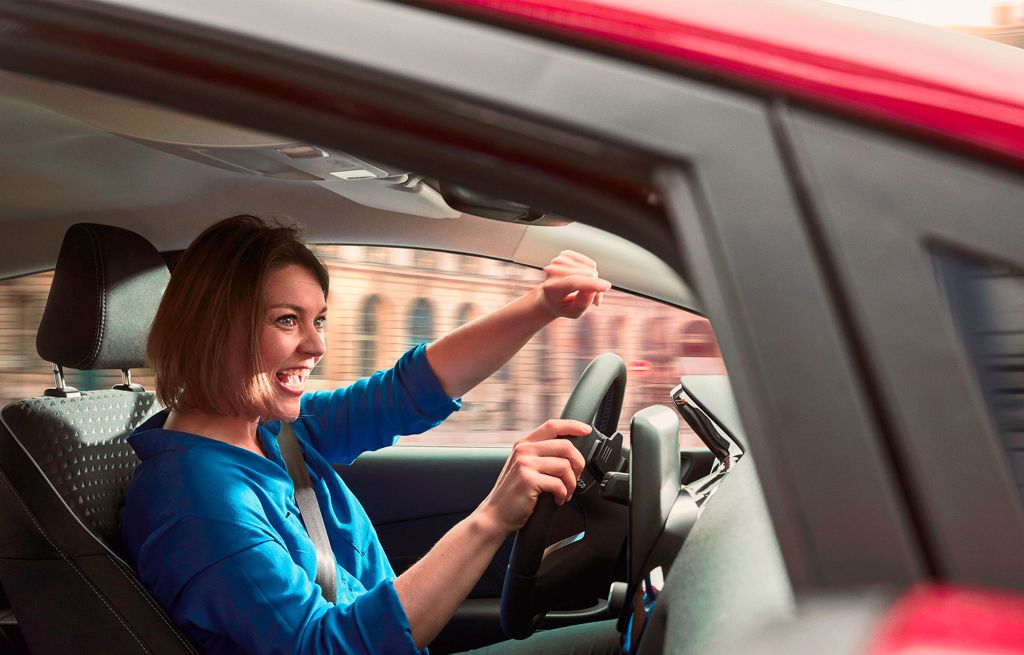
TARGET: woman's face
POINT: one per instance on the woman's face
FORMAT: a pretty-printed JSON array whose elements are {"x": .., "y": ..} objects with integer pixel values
[{"x": 291, "y": 334}]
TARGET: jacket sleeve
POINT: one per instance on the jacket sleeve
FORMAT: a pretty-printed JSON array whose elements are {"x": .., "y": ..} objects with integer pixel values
[
  {"x": 374, "y": 411},
  {"x": 257, "y": 600}
]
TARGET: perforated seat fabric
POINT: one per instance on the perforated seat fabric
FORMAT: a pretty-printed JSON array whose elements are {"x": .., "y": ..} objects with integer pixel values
[
  {"x": 81, "y": 446},
  {"x": 64, "y": 469}
]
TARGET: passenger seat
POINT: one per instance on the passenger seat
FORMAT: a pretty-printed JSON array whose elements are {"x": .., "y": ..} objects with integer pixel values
[{"x": 65, "y": 462}]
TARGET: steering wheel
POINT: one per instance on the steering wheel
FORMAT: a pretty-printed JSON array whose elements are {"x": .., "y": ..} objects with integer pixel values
[{"x": 574, "y": 571}]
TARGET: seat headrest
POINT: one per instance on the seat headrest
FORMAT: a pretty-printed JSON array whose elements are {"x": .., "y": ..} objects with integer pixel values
[{"x": 106, "y": 289}]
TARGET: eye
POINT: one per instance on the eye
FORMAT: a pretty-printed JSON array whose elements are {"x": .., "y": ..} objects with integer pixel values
[
  {"x": 288, "y": 320},
  {"x": 319, "y": 322}
]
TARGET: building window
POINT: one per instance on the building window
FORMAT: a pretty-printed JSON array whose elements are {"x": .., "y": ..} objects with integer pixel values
[
  {"x": 369, "y": 333},
  {"x": 466, "y": 264},
  {"x": 467, "y": 312},
  {"x": 425, "y": 259},
  {"x": 376, "y": 255},
  {"x": 421, "y": 322}
]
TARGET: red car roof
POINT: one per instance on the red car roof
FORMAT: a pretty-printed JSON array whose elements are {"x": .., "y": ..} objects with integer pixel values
[{"x": 947, "y": 84}]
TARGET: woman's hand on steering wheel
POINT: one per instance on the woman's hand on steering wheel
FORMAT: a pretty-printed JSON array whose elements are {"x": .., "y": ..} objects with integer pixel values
[
  {"x": 536, "y": 580},
  {"x": 540, "y": 463}
]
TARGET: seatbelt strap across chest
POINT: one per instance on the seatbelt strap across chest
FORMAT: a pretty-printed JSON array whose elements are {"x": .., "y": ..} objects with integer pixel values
[{"x": 309, "y": 508}]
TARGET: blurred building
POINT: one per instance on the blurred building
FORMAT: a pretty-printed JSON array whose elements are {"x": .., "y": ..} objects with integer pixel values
[
  {"x": 1012, "y": 34},
  {"x": 385, "y": 300}
]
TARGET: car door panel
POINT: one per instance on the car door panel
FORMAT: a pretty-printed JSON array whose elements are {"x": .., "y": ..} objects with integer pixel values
[
  {"x": 414, "y": 494},
  {"x": 439, "y": 486}
]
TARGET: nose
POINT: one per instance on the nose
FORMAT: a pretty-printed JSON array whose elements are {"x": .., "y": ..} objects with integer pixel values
[{"x": 313, "y": 342}]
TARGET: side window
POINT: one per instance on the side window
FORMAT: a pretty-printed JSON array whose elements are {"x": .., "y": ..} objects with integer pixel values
[
  {"x": 547, "y": 379},
  {"x": 585, "y": 345},
  {"x": 384, "y": 300},
  {"x": 431, "y": 293},
  {"x": 987, "y": 301}
]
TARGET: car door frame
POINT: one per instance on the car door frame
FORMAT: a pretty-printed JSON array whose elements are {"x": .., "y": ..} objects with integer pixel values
[
  {"x": 692, "y": 168},
  {"x": 886, "y": 232}
]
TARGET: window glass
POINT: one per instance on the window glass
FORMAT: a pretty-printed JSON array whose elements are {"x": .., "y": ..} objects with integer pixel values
[
  {"x": 375, "y": 255},
  {"x": 22, "y": 301},
  {"x": 584, "y": 342},
  {"x": 425, "y": 259},
  {"x": 384, "y": 300},
  {"x": 987, "y": 301},
  {"x": 369, "y": 334}
]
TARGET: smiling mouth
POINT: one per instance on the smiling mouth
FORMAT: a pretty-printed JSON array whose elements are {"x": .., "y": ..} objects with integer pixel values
[{"x": 293, "y": 379}]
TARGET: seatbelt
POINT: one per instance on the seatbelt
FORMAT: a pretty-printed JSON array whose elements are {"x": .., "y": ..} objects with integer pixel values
[{"x": 309, "y": 508}]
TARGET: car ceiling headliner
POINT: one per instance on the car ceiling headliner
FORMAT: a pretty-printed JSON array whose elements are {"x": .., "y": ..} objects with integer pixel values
[{"x": 59, "y": 166}]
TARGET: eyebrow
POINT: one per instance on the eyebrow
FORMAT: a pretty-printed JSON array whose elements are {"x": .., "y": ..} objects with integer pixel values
[{"x": 295, "y": 308}]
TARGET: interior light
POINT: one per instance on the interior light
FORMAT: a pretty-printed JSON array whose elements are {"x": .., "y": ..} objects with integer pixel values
[
  {"x": 302, "y": 152},
  {"x": 353, "y": 174}
]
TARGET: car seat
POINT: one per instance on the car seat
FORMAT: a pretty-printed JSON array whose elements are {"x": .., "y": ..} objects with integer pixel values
[{"x": 65, "y": 462}]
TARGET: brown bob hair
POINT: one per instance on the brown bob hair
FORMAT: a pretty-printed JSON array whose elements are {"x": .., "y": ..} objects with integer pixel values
[{"x": 214, "y": 299}]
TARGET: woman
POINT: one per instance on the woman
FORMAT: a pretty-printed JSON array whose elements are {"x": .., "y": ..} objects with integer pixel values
[{"x": 210, "y": 522}]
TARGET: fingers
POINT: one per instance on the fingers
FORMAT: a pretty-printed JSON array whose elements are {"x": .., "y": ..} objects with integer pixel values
[
  {"x": 541, "y": 443},
  {"x": 571, "y": 284},
  {"x": 550, "y": 485},
  {"x": 539, "y": 463},
  {"x": 582, "y": 300},
  {"x": 557, "y": 427},
  {"x": 558, "y": 469},
  {"x": 577, "y": 282},
  {"x": 560, "y": 449},
  {"x": 570, "y": 261},
  {"x": 551, "y": 466},
  {"x": 571, "y": 265},
  {"x": 557, "y": 269},
  {"x": 579, "y": 258}
]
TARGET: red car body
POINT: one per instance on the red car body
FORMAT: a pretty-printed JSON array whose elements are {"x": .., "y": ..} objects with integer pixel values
[{"x": 900, "y": 74}]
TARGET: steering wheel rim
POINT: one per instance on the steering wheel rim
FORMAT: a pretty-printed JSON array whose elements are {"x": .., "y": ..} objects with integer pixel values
[{"x": 534, "y": 568}]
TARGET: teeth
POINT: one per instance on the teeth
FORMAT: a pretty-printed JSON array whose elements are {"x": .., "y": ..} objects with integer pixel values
[{"x": 292, "y": 379}]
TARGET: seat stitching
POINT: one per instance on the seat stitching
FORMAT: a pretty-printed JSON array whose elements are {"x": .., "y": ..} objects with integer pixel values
[
  {"x": 70, "y": 563},
  {"x": 145, "y": 596},
  {"x": 122, "y": 567},
  {"x": 101, "y": 297}
]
